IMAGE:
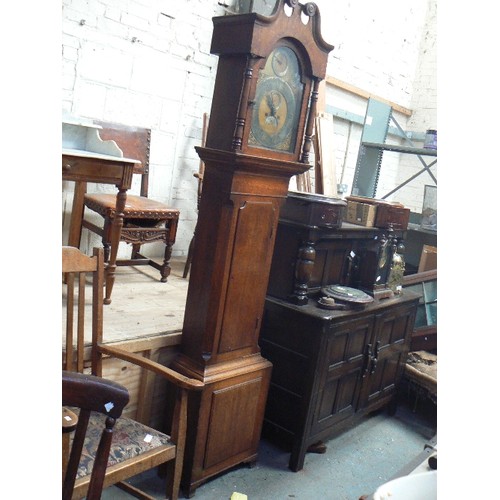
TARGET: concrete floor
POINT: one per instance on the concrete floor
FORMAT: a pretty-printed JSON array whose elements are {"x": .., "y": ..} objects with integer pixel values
[{"x": 355, "y": 464}]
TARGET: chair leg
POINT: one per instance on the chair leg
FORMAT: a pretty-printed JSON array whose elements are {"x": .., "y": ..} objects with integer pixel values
[
  {"x": 106, "y": 239},
  {"x": 173, "y": 480},
  {"x": 178, "y": 434},
  {"x": 65, "y": 453},
  {"x": 165, "y": 268},
  {"x": 136, "y": 248},
  {"x": 106, "y": 249}
]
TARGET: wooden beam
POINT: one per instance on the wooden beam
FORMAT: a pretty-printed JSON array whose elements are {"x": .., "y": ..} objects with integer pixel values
[{"x": 330, "y": 80}]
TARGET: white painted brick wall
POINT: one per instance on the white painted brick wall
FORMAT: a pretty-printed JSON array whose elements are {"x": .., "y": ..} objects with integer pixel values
[
  {"x": 388, "y": 49},
  {"x": 424, "y": 104},
  {"x": 148, "y": 63},
  {"x": 143, "y": 63}
]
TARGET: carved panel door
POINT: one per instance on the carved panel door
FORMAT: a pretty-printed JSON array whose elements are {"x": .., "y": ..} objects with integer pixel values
[
  {"x": 341, "y": 372},
  {"x": 387, "y": 352}
]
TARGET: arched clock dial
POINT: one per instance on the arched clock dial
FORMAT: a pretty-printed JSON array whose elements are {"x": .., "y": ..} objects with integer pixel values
[
  {"x": 277, "y": 103},
  {"x": 273, "y": 117}
]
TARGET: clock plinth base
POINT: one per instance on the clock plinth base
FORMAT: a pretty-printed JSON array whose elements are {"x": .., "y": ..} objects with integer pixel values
[{"x": 225, "y": 420}]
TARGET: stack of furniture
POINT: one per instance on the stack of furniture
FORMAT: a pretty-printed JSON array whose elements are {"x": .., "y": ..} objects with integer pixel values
[
  {"x": 109, "y": 153},
  {"x": 329, "y": 366}
]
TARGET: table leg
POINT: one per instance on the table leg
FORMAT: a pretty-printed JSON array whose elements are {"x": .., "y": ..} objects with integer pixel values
[
  {"x": 116, "y": 230},
  {"x": 75, "y": 225}
]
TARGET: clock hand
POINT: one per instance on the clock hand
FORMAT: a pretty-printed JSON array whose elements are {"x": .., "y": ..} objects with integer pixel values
[{"x": 270, "y": 104}]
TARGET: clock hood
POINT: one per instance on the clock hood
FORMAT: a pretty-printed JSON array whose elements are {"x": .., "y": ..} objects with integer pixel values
[{"x": 257, "y": 34}]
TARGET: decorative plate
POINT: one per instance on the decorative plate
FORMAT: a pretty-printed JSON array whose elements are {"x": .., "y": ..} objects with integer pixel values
[{"x": 347, "y": 294}]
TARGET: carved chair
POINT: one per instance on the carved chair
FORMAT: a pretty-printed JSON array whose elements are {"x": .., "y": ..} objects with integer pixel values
[
  {"x": 137, "y": 445},
  {"x": 99, "y": 403},
  {"x": 145, "y": 220}
]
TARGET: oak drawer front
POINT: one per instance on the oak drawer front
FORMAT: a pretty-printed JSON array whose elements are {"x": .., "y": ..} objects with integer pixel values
[
  {"x": 89, "y": 170},
  {"x": 327, "y": 216},
  {"x": 313, "y": 210}
]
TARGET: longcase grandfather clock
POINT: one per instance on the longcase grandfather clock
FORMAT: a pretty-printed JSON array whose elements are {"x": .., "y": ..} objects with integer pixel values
[{"x": 259, "y": 136}]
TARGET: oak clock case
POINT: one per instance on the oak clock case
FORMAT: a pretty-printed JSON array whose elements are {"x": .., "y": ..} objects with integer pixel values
[{"x": 259, "y": 134}]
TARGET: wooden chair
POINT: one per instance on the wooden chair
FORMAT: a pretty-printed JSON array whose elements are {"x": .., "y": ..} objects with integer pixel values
[
  {"x": 92, "y": 397},
  {"x": 136, "y": 446},
  {"x": 145, "y": 220}
]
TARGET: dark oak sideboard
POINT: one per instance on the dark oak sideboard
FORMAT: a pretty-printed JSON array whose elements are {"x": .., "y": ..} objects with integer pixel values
[{"x": 330, "y": 367}]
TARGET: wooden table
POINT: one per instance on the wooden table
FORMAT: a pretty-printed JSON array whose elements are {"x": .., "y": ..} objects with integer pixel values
[{"x": 85, "y": 166}]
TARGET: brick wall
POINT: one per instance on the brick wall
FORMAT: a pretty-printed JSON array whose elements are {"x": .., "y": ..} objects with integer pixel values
[
  {"x": 424, "y": 106},
  {"x": 148, "y": 64},
  {"x": 387, "y": 49}
]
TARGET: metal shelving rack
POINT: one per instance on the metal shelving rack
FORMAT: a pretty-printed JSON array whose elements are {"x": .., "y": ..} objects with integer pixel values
[{"x": 376, "y": 125}]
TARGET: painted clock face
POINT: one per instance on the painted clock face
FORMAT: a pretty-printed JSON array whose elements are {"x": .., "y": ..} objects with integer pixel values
[{"x": 278, "y": 98}]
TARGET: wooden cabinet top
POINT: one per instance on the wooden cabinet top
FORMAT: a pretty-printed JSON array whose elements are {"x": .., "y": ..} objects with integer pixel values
[{"x": 314, "y": 311}]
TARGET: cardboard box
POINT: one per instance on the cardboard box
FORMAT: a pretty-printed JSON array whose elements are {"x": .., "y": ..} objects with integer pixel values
[
  {"x": 362, "y": 214},
  {"x": 428, "y": 258}
]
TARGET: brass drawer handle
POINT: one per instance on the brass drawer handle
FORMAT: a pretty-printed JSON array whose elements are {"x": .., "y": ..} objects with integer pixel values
[{"x": 66, "y": 166}]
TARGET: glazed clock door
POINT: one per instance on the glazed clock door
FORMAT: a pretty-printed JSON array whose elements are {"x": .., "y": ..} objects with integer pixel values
[{"x": 278, "y": 103}]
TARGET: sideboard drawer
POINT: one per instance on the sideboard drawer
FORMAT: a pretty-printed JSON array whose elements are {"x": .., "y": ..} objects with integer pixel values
[{"x": 313, "y": 210}]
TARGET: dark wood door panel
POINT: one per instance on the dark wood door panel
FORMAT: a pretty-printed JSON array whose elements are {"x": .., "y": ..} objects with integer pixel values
[{"x": 337, "y": 400}]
